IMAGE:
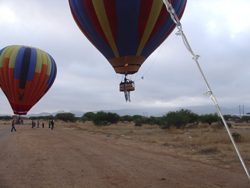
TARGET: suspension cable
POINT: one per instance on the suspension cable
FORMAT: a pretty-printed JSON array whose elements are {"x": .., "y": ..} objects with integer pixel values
[{"x": 209, "y": 93}]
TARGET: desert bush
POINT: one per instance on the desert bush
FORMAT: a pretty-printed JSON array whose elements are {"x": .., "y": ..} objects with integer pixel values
[
  {"x": 209, "y": 118},
  {"x": 103, "y": 118},
  {"x": 217, "y": 126},
  {"x": 5, "y": 117},
  {"x": 66, "y": 117},
  {"x": 41, "y": 117},
  {"x": 138, "y": 122},
  {"x": 209, "y": 150},
  {"x": 245, "y": 118},
  {"x": 127, "y": 118},
  {"x": 136, "y": 117},
  {"x": 237, "y": 136},
  {"x": 179, "y": 118},
  {"x": 88, "y": 116},
  {"x": 229, "y": 125}
]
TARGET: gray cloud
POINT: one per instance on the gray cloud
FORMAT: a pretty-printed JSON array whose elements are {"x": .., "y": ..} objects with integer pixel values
[{"x": 87, "y": 82}]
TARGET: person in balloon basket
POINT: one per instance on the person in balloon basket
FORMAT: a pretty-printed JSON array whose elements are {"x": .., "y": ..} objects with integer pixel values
[
  {"x": 52, "y": 124},
  {"x": 13, "y": 125}
]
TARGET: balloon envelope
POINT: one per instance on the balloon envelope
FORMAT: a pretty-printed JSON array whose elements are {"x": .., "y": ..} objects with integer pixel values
[
  {"x": 126, "y": 32},
  {"x": 26, "y": 74}
]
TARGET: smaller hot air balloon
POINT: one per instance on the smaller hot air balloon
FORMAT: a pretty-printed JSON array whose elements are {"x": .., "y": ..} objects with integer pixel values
[{"x": 26, "y": 74}]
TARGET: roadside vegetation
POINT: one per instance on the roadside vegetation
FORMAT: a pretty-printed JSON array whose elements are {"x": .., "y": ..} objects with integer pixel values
[
  {"x": 202, "y": 137},
  {"x": 177, "y": 119},
  {"x": 173, "y": 120}
]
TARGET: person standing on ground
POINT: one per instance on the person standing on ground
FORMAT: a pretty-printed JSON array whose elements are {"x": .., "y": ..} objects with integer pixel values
[
  {"x": 52, "y": 124},
  {"x": 43, "y": 123},
  {"x": 49, "y": 123},
  {"x": 13, "y": 125},
  {"x": 38, "y": 123}
]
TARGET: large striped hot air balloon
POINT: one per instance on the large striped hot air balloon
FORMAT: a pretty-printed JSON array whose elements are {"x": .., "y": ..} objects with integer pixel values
[
  {"x": 126, "y": 32},
  {"x": 26, "y": 74}
]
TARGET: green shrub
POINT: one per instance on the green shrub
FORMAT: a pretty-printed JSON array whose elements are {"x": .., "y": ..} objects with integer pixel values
[
  {"x": 179, "y": 118},
  {"x": 138, "y": 122},
  {"x": 103, "y": 118},
  {"x": 236, "y": 136}
]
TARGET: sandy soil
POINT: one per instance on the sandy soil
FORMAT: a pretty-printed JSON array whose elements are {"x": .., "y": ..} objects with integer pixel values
[{"x": 41, "y": 157}]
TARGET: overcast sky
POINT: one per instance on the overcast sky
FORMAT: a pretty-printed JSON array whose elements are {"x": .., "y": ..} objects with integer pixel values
[{"x": 217, "y": 30}]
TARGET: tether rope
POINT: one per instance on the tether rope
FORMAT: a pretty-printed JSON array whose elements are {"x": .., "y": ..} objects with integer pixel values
[{"x": 209, "y": 93}]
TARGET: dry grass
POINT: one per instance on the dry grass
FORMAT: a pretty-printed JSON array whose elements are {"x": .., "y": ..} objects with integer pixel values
[
  {"x": 206, "y": 143},
  {"x": 209, "y": 144}
]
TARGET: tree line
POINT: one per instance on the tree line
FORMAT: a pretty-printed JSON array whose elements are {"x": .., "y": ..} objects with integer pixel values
[{"x": 177, "y": 118}]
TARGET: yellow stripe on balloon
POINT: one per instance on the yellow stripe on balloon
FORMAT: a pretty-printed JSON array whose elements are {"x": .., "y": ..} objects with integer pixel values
[
  {"x": 2, "y": 56},
  {"x": 102, "y": 17},
  {"x": 153, "y": 16},
  {"x": 39, "y": 60},
  {"x": 6, "y": 54},
  {"x": 13, "y": 56},
  {"x": 49, "y": 66}
]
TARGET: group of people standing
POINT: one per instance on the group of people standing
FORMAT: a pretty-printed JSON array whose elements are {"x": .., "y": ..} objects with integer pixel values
[{"x": 50, "y": 122}]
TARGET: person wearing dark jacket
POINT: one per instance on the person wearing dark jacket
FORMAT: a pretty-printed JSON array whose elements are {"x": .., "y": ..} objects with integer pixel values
[{"x": 52, "y": 124}]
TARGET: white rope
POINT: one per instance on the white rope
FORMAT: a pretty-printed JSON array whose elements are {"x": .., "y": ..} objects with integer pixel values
[
  {"x": 154, "y": 61},
  {"x": 176, "y": 20}
]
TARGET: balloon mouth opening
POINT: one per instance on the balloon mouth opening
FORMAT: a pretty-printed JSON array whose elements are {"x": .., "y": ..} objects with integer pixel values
[
  {"x": 20, "y": 109},
  {"x": 127, "y": 64},
  {"x": 20, "y": 112}
]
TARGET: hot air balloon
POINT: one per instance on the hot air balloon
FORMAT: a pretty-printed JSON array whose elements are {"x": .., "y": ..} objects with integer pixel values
[
  {"x": 26, "y": 74},
  {"x": 126, "y": 32}
]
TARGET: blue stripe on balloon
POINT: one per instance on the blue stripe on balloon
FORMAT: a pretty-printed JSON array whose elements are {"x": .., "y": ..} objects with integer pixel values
[
  {"x": 127, "y": 33},
  {"x": 18, "y": 63},
  {"x": 32, "y": 65},
  {"x": 53, "y": 74},
  {"x": 83, "y": 18}
]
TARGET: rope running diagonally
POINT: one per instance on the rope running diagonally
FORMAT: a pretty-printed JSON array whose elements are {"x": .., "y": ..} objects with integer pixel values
[{"x": 176, "y": 20}]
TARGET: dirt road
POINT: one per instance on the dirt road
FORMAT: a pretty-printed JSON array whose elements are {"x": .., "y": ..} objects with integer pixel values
[{"x": 41, "y": 157}]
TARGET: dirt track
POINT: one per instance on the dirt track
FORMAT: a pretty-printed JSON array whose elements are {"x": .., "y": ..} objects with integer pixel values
[{"x": 41, "y": 157}]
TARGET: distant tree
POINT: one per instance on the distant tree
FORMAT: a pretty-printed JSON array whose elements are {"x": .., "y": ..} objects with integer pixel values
[
  {"x": 5, "y": 117},
  {"x": 84, "y": 118},
  {"x": 42, "y": 117},
  {"x": 136, "y": 117},
  {"x": 88, "y": 116},
  {"x": 179, "y": 118},
  {"x": 113, "y": 118},
  {"x": 126, "y": 118},
  {"x": 245, "y": 118},
  {"x": 228, "y": 117},
  {"x": 209, "y": 118},
  {"x": 103, "y": 118},
  {"x": 49, "y": 117},
  {"x": 66, "y": 117},
  {"x": 138, "y": 122},
  {"x": 100, "y": 118}
]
